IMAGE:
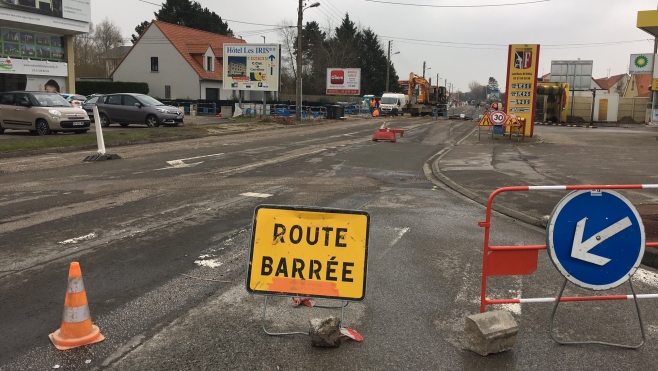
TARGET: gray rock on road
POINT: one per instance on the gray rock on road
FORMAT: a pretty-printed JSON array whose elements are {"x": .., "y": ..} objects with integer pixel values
[
  {"x": 325, "y": 332},
  {"x": 490, "y": 332}
]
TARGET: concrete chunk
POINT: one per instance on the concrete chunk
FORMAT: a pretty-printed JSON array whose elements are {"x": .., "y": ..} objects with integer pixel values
[
  {"x": 325, "y": 332},
  {"x": 490, "y": 332}
]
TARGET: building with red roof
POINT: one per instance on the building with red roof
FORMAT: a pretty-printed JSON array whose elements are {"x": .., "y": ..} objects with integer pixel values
[
  {"x": 178, "y": 63},
  {"x": 639, "y": 86}
]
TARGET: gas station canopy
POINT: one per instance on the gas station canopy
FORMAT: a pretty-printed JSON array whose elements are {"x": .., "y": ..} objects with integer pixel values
[{"x": 647, "y": 20}]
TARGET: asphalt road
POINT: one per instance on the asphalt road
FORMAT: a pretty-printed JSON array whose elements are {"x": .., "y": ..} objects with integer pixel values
[{"x": 138, "y": 224}]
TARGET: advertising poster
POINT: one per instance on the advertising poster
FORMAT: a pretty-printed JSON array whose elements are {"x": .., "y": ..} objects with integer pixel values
[
  {"x": 73, "y": 15},
  {"x": 251, "y": 67},
  {"x": 522, "y": 64},
  {"x": 27, "y": 44},
  {"x": 50, "y": 84},
  {"x": 343, "y": 81}
]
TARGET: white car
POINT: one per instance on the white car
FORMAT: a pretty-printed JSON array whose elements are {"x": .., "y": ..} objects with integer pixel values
[{"x": 75, "y": 99}]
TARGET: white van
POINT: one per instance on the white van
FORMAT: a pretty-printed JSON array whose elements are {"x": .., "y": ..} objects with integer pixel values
[{"x": 392, "y": 103}]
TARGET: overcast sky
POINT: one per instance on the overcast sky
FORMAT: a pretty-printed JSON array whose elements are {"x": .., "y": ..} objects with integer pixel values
[{"x": 552, "y": 24}]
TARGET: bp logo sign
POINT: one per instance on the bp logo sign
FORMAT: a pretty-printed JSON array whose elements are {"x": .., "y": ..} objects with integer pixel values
[{"x": 641, "y": 63}]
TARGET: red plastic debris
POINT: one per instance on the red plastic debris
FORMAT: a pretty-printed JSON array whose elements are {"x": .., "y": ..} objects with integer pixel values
[
  {"x": 305, "y": 301},
  {"x": 387, "y": 134},
  {"x": 349, "y": 333}
]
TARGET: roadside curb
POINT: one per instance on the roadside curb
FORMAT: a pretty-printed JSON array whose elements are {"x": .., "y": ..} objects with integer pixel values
[
  {"x": 650, "y": 257},
  {"x": 568, "y": 125},
  {"x": 44, "y": 151}
]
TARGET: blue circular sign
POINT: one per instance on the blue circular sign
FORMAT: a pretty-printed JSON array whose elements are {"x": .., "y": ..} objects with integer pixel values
[{"x": 595, "y": 238}]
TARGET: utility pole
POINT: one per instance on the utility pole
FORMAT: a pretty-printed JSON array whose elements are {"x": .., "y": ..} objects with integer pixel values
[
  {"x": 388, "y": 64},
  {"x": 423, "y": 69},
  {"x": 300, "y": 15}
]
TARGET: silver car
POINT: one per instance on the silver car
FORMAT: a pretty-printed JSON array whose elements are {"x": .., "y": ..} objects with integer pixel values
[{"x": 127, "y": 108}]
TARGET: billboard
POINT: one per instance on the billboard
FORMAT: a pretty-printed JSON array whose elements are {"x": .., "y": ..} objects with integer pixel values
[
  {"x": 251, "y": 67},
  {"x": 29, "y": 67},
  {"x": 578, "y": 74},
  {"x": 343, "y": 81},
  {"x": 522, "y": 64},
  {"x": 71, "y": 15},
  {"x": 641, "y": 64}
]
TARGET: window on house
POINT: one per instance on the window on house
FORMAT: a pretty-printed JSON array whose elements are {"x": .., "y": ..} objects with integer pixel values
[
  {"x": 209, "y": 63},
  {"x": 154, "y": 64},
  {"x": 167, "y": 91}
]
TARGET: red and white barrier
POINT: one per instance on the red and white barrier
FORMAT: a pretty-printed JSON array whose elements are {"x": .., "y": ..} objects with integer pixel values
[{"x": 523, "y": 259}]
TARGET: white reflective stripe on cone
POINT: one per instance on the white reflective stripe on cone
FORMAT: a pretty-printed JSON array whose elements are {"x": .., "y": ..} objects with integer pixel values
[
  {"x": 75, "y": 285},
  {"x": 76, "y": 314}
]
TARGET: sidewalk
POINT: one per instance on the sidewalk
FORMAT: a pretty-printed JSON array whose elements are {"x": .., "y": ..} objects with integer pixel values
[{"x": 556, "y": 156}]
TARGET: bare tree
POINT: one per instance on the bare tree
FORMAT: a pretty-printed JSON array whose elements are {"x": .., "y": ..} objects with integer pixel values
[
  {"x": 107, "y": 36},
  {"x": 288, "y": 35},
  {"x": 91, "y": 48},
  {"x": 86, "y": 59}
]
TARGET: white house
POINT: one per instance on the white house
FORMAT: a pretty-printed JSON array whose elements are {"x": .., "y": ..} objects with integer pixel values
[{"x": 178, "y": 63}]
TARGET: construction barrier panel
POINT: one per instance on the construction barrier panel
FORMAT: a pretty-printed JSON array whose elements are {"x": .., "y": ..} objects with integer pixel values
[{"x": 523, "y": 259}]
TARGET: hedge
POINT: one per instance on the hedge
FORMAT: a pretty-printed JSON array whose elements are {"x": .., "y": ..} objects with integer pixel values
[{"x": 109, "y": 87}]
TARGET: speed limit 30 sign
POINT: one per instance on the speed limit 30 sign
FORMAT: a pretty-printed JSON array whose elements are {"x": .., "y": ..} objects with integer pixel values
[{"x": 498, "y": 117}]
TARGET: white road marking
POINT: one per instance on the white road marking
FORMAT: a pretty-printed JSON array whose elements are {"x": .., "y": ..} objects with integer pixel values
[
  {"x": 401, "y": 232},
  {"x": 17, "y": 161},
  {"x": 78, "y": 239},
  {"x": 253, "y": 194},
  {"x": 462, "y": 294},
  {"x": 194, "y": 158},
  {"x": 514, "y": 294},
  {"x": 211, "y": 263},
  {"x": 178, "y": 164}
]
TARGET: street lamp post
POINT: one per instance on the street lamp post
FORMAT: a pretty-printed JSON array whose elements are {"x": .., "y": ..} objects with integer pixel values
[
  {"x": 388, "y": 64},
  {"x": 300, "y": 16}
]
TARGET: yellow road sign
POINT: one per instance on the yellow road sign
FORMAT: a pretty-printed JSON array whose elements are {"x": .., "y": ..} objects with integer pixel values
[
  {"x": 521, "y": 92},
  {"x": 485, "y": 121},
  {"x": 309, "y": 252}
]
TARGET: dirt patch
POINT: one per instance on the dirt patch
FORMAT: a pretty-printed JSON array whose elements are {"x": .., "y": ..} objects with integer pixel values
[
  {"x": 575, "y": 120},
  {"x": 627, "y": 120}
]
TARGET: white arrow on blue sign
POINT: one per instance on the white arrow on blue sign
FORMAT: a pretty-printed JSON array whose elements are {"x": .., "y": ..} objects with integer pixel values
[{"x": 595, "y": 238}]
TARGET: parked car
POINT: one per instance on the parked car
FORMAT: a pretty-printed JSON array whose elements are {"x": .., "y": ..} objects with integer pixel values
[
  {"x": 41, "y": 113},
  {"x": 75, "y": 99},
  {"x": 89, "y": 104},
  {"x": 129, "y": 108}
]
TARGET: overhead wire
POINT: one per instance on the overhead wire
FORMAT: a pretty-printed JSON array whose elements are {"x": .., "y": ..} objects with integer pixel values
[
  {"x": 223, "y": 19},
  {"x": 458, "y": 6},
  {"x": 331, "y": 7},
  {"x": 436, "y": 43}
]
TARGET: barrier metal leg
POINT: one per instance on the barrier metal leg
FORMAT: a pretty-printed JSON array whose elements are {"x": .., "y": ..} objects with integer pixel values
[
  {"x": 262, "y": 319},
  {"x": 639, "y": 316}
]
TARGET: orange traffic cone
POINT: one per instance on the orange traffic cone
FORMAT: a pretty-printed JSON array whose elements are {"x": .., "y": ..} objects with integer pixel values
[{"x": 76, "y": 329}]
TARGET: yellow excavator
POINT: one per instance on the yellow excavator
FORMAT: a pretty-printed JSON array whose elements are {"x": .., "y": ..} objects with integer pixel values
[{"x": 424, "y": 99}]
